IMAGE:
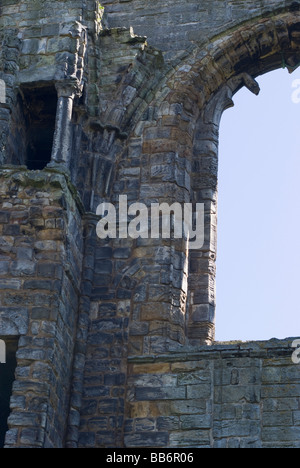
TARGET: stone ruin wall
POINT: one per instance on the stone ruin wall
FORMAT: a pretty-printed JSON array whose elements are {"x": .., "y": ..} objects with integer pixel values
[{"x": 116, "y": 339}]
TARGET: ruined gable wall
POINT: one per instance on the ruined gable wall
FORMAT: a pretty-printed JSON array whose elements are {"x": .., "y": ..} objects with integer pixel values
[
  {"x": 118, "y": 349},
  {"x": 172, "y": 152}
]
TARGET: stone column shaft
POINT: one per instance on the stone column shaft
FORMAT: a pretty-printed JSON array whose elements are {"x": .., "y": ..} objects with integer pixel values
[{"x": 63, "y": 130}]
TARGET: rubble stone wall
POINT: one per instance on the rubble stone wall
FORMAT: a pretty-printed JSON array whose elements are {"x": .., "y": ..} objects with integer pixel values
[
  {"x": 225, "y": 396},
  {"x": 40, "y": 273}
]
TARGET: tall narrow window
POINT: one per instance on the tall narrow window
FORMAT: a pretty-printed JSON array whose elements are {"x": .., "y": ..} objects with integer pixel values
[
  {"x": 40, "y": 111},
  {"x": 7, "y": 376},
  {"x": 258, "y": 263}
]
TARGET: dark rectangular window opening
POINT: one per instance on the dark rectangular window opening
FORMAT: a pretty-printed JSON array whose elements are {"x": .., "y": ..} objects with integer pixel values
[
  {"x": 7, "y": 377},
  {"x": 40, "y": 103}
]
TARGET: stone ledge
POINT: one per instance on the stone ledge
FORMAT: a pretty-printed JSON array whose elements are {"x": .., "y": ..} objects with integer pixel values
[
  {"x": 52, "y": 176},
  {"x": 259, "y": 349}
]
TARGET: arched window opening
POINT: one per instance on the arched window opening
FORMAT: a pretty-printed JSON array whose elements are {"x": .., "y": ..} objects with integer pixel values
[
  {"x": 40, "y": 112},
  {"x": 7, "y": 377},
  {"x": 258, "y": 265}
]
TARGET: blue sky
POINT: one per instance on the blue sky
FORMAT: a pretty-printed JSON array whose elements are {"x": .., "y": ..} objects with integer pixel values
[{"x": 258, "y": 265}]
